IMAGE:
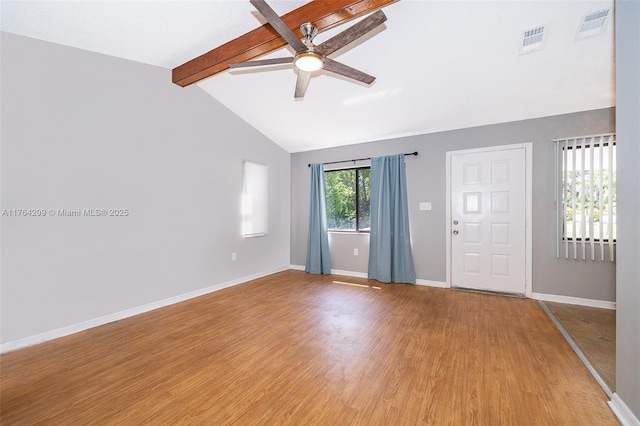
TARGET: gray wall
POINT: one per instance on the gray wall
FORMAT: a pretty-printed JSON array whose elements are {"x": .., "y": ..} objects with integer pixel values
[
  {"x": 628, "y": 262},
  {"x": 84, "y": 130},
  {"x": 426, "y": 178}
]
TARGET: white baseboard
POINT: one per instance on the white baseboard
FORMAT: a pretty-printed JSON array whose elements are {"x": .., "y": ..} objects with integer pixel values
[
  {"x": 75, "y": 328},
  {"x": 622, "y": 412},
  {"x": 364, "y": 275},
  {"x": 349, "y": 273},
  {"x": 604, "y": 304},
  {"x": 334, "y": 271},
  {"x": 430, "y": 283}
]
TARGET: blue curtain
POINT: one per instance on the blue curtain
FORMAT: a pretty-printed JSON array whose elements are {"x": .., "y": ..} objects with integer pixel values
[
  {"x": 318, "y": 258},
  {"x": 390, "y": 257}
]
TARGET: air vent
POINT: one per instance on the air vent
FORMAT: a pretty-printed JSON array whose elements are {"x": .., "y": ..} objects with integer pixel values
[
  {"x": 593, "y": 24},
  {"x": 532, "y": 39}
]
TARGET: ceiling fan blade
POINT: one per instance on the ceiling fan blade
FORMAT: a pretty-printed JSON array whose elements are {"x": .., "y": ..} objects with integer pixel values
[
  {"x": 302, "y": 83},
  {"x": 278, "y": 24},
  {"x": 261, "y": 62},
  {"x": 352, "y": 33},
  {"x": 342, "y": 69}
]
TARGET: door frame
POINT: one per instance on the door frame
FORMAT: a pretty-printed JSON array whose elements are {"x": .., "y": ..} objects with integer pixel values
[{"x": 528, "y": 152}]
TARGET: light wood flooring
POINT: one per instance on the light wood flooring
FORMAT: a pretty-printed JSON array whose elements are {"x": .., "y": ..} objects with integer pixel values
[
  {"x": 594, "y": 331},
  {"x": 294, "y": 348}
]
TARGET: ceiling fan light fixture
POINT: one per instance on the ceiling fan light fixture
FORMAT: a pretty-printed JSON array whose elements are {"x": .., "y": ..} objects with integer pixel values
[{"x": 308, "y": 61}]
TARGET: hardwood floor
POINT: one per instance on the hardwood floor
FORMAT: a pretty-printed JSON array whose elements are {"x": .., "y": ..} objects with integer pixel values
[{"x": 294, "y": 348}]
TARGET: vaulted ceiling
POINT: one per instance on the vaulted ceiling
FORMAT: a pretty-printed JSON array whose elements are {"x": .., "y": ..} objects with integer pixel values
[{"x": 440, "y": 65}]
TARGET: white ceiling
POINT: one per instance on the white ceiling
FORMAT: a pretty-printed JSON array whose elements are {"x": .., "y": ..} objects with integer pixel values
[{"x": 440, "y": 65}]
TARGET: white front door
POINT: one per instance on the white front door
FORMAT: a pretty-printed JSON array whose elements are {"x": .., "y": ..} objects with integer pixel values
[{"x": 488, "y": 219}]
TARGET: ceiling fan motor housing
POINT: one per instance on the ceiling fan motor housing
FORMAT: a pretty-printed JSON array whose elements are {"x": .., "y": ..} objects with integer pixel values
[{"x": 309, "y": 31}]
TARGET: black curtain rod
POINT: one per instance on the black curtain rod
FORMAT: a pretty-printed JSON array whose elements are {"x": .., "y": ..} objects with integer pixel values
[{"x": 359, "y": 159}]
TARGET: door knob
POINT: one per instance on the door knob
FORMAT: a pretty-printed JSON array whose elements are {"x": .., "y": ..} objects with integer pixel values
[{"x": 455, "y": 232}]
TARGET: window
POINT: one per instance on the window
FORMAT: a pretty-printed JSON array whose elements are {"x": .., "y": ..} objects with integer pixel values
[
  {"x": 588, "y": 203},
  {"x": 347, "y": 196},
  {"x": 255, "y": 199}
]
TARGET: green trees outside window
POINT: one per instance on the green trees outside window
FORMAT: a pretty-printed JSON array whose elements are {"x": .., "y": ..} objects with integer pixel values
[
  {"x": 590, "y": 202},
  {"x": 347, "y": 195}
]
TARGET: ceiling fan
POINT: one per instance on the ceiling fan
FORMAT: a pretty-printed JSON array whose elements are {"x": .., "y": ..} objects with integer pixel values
[{"x": 309, "y": 57}]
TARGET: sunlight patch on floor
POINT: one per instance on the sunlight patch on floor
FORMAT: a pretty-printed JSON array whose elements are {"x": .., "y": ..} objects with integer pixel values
[{"x": 353, "y": 284}]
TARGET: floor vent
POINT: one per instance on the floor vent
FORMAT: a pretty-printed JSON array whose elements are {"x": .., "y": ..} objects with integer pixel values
[
  {"x": 532, "y": 39},
  {"x": 593, "y": 24}
]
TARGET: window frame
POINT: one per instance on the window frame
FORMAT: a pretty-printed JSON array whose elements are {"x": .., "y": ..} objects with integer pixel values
[
  {"x": 357, "y": 200},
  {"x": 255, "y": 199}
]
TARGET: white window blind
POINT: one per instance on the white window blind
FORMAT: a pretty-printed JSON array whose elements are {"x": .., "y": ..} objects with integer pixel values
[
  {"x": 586, "y": 197},
  {"x": 255, "y": 199}
]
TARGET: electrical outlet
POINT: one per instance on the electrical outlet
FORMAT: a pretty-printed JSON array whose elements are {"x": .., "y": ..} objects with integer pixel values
[
  {"x": 234, "y": 257},
  {"x": 425, "y": 205},
  {"x": 355, "y": 251}
]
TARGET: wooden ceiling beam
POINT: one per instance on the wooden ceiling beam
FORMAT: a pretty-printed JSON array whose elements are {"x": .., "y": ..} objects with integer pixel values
[{"x": 324, "y": 14}]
